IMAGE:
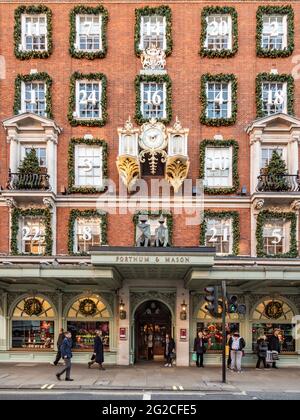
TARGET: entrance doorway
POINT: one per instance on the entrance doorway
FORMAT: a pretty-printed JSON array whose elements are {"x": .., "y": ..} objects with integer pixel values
[{"x": 153, "y": 320}]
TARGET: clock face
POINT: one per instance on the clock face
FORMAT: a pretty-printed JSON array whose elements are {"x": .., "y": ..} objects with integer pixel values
[{"x": 152, "y": 138}]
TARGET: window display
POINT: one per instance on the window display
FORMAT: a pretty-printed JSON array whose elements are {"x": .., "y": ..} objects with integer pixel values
[
  {"x": 287, "y": 342},
  {"x": 213, "y": 332},
  {"x": 33, "y": 334},
  {"x": 83, "y": 334}
]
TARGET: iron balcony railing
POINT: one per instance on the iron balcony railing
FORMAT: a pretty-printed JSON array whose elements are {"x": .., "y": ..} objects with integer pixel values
[
  {"x": 17, "y": 182},
  {"x": 278, "y": 183}
]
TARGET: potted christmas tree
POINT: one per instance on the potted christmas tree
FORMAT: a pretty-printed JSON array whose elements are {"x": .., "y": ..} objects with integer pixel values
[
  {"x": 276, "y": 171},
  {"x": 29, "y": 172}
]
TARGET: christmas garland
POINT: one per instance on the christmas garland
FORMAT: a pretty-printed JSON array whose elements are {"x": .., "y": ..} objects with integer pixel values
[
  {"x": 274, "y": 310},
  {"x": 32, "y": 10},
  {"x": 71, "y": 164},
  {"x": 26, "y": 78},
  {"x": 234, "y": 215},
  {"x": 74, "y": 215},
  {"x": 155, "y": 213},
  {"x": 33, "y": 306},
  {"x": 147, "y": 11},
  {"x": 275, "y": 10},
  {"x": 266, "y": 215},
  {"x": 87, "y": 302},
  {"x": 218, "y": 78},
  {"x": 85, "y": 10},
  {"x": 160, "y": 78},
  {"x": 15, "y": 218},
  {"x": 217, "y": 10},
  {"x": 93, "y": 122},
  {"x": 280, "y": 78},
  {"x": 235, "y": 173}
]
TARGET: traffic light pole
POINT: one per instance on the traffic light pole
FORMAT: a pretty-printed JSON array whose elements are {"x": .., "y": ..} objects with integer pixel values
[{"x": 224, "y": 338}]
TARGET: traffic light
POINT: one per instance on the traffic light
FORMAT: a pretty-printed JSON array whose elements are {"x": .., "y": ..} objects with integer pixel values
[
  {"x": 212, "y": 299},
  {"x": 232, "y": 304}
]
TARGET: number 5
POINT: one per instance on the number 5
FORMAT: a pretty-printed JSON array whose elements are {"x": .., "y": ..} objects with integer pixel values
[{"x": 277, "y": 236}]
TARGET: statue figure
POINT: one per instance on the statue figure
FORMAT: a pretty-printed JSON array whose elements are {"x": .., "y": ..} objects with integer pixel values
[
  {"x": 161, "y": 234},
  {"x": 144, "y": 233}
]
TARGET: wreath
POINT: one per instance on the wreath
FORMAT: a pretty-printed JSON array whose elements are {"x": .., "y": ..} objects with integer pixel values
[
  {"x": 33, "y": 306},
  {"x": 87, "y": 307},
  {"x": 274, "y": 310}
]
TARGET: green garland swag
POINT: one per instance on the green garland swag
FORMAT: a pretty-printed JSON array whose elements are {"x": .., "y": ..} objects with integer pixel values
[
  {"x": 32, "y": 10},
  {"x": 147, "y": 11},
  {"x": 218, "y": 78},
  {"x": 15, "y": 217},
  {"x": 74, "y": 215},
  {"x": 71, "y": 164},
  {"x": 280, "y": 78},
  {"x": 275, "y": 10},
  {"x": 263, "y": 217},
  {"x": 234, "y": 215},
  {"x": 26, "y": 78},
  {"x": 217, "y": 10},
  {"x": 85, "y": 10},
  {"x": 155, "y": 213},
  {"x": 97, "y": 122},
  {"x": 235, "y": 173},
  {"x": 160, "y": 78}
]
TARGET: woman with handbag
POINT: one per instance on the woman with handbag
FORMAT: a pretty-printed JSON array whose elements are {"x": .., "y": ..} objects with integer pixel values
[
  {"x": 274, "y": 347},
  {"x": 200, "y": 349},
  {"x": 169, "y": 350}
]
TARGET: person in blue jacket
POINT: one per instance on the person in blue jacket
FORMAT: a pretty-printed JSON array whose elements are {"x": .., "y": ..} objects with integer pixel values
[{"x": 66, "y": 354}]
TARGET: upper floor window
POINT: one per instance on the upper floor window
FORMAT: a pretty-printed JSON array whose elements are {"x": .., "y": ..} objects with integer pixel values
[
  {"x": 274, "y": 33},
  {"x": 274, "y": 97},
  {"x": 276, "y": 237},
  {"x": 218, "y": 167},
  {"x": 267, "y": 152},
  {"x": 34, "y": 32},
  {"x": 34, "y": 97},
  {"x": 154, "y": 100},
  {"x": 88, "y": 96},
  {"x": 218, "y": 100},
  {"x": 41, "y": 153},
  {"x": 88, "y": 166},
  {"x": 32, "y": 235},
  {"x": 87, "y": 234},
  {"x": 88, "y": 32},
  {"x": 153, "y": 32},
  {"x": 219, "y": 235},
  {"x": 218, "y": 32}
]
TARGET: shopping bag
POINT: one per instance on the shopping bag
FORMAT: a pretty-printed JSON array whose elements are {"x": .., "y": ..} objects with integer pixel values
[
  {"x": 194, "y": 357},
  {"x": 269, "y": 358},
  {"x": 275, "y": 355}
]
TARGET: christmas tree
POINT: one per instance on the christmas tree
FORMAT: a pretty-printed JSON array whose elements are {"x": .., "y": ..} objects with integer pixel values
[
  {"x": 276, "y": 171},
  {"x": 29, "y": 171}
]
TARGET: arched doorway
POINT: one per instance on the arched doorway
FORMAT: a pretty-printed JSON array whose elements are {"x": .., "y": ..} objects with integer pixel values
[{"x": 153, "y": 320}]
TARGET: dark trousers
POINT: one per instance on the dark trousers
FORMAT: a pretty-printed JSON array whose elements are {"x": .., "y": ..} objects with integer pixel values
[
  {"x": 58, "y": 356},
  {"x": 229, "y": 361},
  {"x": 259, "y": 360},
  {"x": 199, "y": 358},
  {"x": 150, "y": 353},
  {"x": 66, "y": 369},
  {"x": 169, "y": 358}
]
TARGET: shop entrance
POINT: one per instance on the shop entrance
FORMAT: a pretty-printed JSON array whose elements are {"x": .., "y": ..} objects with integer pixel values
[{"x": 153, "y": 320}]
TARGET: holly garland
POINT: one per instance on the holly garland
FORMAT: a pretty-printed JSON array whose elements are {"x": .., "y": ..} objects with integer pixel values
[
  {"x": 86, "y": 214},
  {"x": 71, "y": 165},
  {"x": 262, "y": 11},
  {"x": 15, "y": 219},
  {"x": 36, "y": 77},
  {"x": 278, "y": 78},
  {"x": 164, "y": 11},
  {"x": 32, "y": 10},
  {"x": 85, "y": 10},
  {"x": 160, "y": 78},
  {"x": 218, "y": 78},
  {"x": 217, "y": 10},
  {"x": 92, "y": 122},
  {"x": 266, "y": 216},
  {"x": 235, "y": 173},
  {"x": 156, "y": 214},
  {"x": 234, "y": 215}
]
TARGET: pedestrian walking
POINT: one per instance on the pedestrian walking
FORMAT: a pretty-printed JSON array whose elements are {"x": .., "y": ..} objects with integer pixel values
[
  {"x": 66, "y": 354},
  {"x": 274, "y": 347},
  {"x": 262, "y": 348},
  {"x": 169, "y": 350},
  {"x": 98, "y": 355},
  {"x": 200, "y": 348},
  {"x": 60, "y": 339},
  {"x": 150, "y": 345},
  {"x": 236, "y": 345}
]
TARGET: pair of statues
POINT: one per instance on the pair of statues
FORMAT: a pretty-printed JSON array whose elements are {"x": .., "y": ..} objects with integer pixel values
[{"x": 144, "y": 233}]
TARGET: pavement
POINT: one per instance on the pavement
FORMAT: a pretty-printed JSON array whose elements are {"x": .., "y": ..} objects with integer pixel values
[{"x": 150, "y": 377}]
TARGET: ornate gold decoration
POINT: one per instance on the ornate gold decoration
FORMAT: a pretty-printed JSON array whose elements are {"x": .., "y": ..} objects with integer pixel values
[
  {"x": 177, "y": 169},
  {"x": 153, "y": 58},
  {"x": 129, "y": 170},
  {"x": 153, "y": 140}
]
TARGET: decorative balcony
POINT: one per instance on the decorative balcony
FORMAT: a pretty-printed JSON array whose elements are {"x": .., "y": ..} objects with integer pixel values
[
  {"x": 32, "y": 182},
  {"x": 278, "y": 183}
]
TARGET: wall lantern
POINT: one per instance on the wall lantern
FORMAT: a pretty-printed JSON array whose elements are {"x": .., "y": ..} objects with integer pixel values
[
  {"x": 183, "y": 311},
  {"x": 122, "y": 311}
]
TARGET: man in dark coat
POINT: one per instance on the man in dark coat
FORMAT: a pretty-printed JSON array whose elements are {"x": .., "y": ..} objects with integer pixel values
[
  {"x": 274, "y": 344},
  {"x": 66, "y": 354},
  {"x": 199, "y": 348},
  {"x": 169, "y": 350},
  {"x": 59, "y": 343},
  {"x": 98, "y": 355}
]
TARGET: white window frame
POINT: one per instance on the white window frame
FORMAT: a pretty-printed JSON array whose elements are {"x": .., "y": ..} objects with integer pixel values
[
  {"x": 229, "y": 103},
  {"x": 142, "y": 22},
  {"x": 284, "y": 89},
  {"x": 284, "y": 38},
  {"x": 22, "y": 46},
  {"x": 21, "y": 222},
  {"x": 25, "y": 146},
  {"x": 76, "y": 165},
  {"x": 75, "y": 232},
  {"x": 77, "y": 111},
  {"x": 229, "y": 177},
  {"x": 230, "y": 235},
  {"x": 23, "y": 104},
  {"x": 273, "y": 147},
  {"x": 286, "y": 227},
  {"x": 77, "y": 39},
  {"x": 229, "y": 21},
  {"x": 164, "y": 100}
]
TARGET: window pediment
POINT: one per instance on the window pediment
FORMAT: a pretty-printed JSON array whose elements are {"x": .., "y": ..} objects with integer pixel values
[{"x": 277, "y": 122}]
